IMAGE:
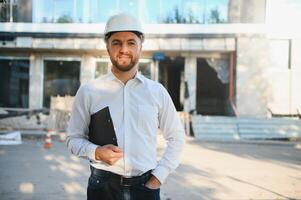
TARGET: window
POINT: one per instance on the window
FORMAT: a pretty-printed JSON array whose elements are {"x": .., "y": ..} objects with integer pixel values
[
  {"x": 43, "y": 11},
  {"x": 194, "y": 11},
  {"x": 101, "y": 10},
  {"x": 14, "y": 83},
  {"x": 73, "y": 11},
  {"x": 63, "y": 10},
  {"x": 152, "y": 11},
  {"x": 130, "y": 6},
  {"x": 60, "y": 78},
  {"x": 8, "y": 11}
]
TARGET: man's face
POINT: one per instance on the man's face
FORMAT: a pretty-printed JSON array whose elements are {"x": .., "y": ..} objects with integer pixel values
[{"x": 124, "y": 49}]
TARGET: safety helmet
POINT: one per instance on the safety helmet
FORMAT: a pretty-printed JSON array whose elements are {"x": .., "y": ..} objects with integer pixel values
[{"x": 123, "y": 22}]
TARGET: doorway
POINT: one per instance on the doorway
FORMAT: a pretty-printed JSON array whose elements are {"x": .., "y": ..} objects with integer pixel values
[
  {"x": 212, "y": 93},
  {"x": 61, "y": 77},
  {"x": 171, "y": 76},
  {"x": 14, "y": 82}
]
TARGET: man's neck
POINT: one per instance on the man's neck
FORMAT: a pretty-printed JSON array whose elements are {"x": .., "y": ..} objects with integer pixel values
[{"x": 124, "y": 76}]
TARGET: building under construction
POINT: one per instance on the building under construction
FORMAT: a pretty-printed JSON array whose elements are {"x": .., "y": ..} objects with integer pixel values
[{"x": 223, "y": 57}]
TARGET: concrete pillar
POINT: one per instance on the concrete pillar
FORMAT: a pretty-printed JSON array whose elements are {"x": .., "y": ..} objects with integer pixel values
[
  {"x": 252, "y": 88},
  {"x": 36, "y": 75},
  {"x": 251, "y": 11},
  {"x": 87, "y": 69},
  {"x": 190, "y": 70}
]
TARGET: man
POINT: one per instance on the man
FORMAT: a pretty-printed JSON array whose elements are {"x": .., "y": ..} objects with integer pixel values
[{"x": 138, "y": 107}]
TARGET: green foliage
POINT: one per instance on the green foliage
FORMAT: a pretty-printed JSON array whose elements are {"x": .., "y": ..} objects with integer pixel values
[
  {"x": 178, "y": 18},
  {"x": 64, "y": 19},
  {"x": 215, "y": 17}
]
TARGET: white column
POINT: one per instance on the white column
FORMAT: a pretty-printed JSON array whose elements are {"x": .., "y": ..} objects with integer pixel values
[
  {"x": 36, "y": 76},
  {"x": 87, "y": 69},
  {"x": 190, "y": 71}
]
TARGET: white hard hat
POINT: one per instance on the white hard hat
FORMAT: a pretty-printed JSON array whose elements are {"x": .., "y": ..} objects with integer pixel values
[{"x": 123, "y": 22}]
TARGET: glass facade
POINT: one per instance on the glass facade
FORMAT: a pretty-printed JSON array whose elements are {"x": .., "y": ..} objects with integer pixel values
[
  {"x": 14, "y": 83},
  {"x": 8, "y": 11},
  {"x": 194, "y": 11},
  {"x": 149, "y": 11},
  {"x": 60, "y": 78}
]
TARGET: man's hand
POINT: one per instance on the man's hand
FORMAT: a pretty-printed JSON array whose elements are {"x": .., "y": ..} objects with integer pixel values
[
  {"x": 109, "y": 154},
  {"x": 153, "y": 183}
]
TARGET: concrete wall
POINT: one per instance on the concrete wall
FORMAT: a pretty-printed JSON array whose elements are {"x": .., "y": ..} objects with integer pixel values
[
  {"x": 247, "y": 11},
  {"x": 284, "y": 78},
  {"x": 252, "y": 88},
  {"x": 262, "y": 85},
  {"x": 278, "y": 74}
]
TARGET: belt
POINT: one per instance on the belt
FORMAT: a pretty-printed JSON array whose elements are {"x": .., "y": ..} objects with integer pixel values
[{"x": 124, "y": 181}]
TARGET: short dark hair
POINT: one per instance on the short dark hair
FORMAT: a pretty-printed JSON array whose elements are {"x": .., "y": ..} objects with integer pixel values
[{"x": 139, "y": 34}]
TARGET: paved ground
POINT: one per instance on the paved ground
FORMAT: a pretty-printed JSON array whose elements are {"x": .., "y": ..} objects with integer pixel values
[{"x": 210, "y": 170}]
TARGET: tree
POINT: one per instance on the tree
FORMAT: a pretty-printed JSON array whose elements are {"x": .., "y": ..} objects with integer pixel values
[
  {"x": 178, "y": 18},
  {"x": 64, "y": 19},
  {"x": 215, "y": 17}
]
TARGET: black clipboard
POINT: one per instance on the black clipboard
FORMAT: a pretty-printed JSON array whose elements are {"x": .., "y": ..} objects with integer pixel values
[{"x": 101, "y": 128}]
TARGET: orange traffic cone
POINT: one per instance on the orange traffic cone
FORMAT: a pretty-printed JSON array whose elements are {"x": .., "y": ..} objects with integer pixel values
[{"x": 48, "y": 141}]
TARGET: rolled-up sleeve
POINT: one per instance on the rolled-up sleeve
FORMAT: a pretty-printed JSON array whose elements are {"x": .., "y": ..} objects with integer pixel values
[
  {"x": 174, "y": 135},
  {"x": 77, "y": 131}
]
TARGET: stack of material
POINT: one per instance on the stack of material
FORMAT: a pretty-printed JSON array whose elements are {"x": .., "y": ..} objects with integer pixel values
[{"x": 60, "y": 108}]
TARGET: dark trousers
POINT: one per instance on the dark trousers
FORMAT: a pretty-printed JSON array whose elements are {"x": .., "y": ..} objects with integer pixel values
[{"x": 105, "y": 185}]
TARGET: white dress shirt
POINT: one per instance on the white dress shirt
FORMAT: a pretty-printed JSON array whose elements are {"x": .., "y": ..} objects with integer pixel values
[{"x": 138, "y": 108}]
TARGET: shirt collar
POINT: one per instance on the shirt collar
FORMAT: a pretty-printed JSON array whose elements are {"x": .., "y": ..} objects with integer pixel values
[{"x": 138, "y": 76}]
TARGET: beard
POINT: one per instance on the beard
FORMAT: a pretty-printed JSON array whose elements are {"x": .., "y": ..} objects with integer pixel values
[{"x": 125, "y": 68}]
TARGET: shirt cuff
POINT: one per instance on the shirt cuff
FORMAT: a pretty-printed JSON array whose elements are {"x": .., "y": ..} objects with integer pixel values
[
  {"x": 161, "y": 173},
  {"x": 91, "y": 148}
]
